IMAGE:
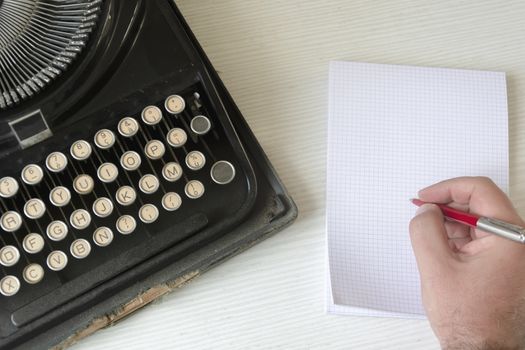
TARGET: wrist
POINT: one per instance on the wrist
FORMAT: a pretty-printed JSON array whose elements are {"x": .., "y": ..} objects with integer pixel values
[{"x": 470, "y": 342}]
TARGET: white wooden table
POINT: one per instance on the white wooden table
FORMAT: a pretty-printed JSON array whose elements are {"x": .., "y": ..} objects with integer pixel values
[{"x": 273, "y": 56}]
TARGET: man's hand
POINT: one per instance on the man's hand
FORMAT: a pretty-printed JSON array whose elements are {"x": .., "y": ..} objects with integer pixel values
[{"x": 472, "y": 282}]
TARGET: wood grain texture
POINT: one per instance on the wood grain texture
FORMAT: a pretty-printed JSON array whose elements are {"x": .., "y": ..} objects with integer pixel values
[{"x": 273, "y": 56}]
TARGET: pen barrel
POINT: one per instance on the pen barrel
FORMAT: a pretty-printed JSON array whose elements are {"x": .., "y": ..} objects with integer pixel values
[{"x": 513, "y": 232}]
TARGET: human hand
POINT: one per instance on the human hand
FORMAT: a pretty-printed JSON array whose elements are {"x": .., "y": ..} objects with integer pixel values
[{"x": 472, "y": 282}]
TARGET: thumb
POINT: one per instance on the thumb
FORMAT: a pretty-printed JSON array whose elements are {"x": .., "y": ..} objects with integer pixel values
[{"x": 429, "y": 240}]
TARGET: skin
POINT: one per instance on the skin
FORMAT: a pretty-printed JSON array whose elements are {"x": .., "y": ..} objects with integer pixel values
[{"x": 472, "y": 282}]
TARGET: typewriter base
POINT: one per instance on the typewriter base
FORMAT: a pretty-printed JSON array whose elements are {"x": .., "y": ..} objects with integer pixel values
[{"x": 273, "y": 209}]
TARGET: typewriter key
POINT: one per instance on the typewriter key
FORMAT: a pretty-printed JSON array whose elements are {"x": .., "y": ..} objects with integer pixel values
[
  {"x": 171, "y": 201},
  {"x": 177, "y": 137},
  {"x": 83, "y": 184},
  {"x": 194, "y": 189},
  {"x": 56, "y": 162},
  {"x": 148, "y": 213},
  {"x": 130, "y": 161},
  {"x": 151, "y": 115},
  {"x": 80, "y": 150},
  {"x": 149, "y": 184},
  {"x": 104, "y": 139},
  {"x": 126, "y": 195},
  {"x": 32, "y": 174},
  {"x": 34, "y": 208},
  {"x": 154, "y": 149},
  {"x": 33, "y": 243},
  {"x": 56, "y": 230},
  {"x": 175, "y": 104},
  {"x": 222, "y": 172},
  {"x": 59, "y": 196},
  {"x": 80, "y": 248},
  {"x": 80, "y": 219},
  {"x": 56, "y": 260},
  {"x": 126, "y": 224},
  {"x": 33, "y": 273},
  {"x": 9, "y": 255},
  {"x": 195, "y": 160},
  {"x": 172, "y": 171},
  {"x": 9, "y": 285},
  {"x": 8, "y": 187},
  {"x": 103, "y": 236},
  {"x": 107, "y": 172},
  {"x": 128, "y": 127},
  {"x": 10, "y": 221},
  {"x": 102, "y": 207},
  {"x": 200, "y": 125}
]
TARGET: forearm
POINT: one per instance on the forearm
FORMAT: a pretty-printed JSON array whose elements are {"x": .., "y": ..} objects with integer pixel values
[{"x": 483, "y": 346}]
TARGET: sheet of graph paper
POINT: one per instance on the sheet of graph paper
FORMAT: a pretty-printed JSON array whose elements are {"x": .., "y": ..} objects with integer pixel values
[{"x": 391, "y": 131}]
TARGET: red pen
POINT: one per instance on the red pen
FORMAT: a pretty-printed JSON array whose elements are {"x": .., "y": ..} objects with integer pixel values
[{"x": 501, "y": 228}]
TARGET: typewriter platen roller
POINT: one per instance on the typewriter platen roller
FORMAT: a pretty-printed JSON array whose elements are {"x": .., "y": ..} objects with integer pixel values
[{"x": 125, "y": 164}]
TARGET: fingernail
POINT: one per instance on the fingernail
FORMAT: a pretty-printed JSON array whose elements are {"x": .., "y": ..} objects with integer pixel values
[{"x": 424, "y": 208}]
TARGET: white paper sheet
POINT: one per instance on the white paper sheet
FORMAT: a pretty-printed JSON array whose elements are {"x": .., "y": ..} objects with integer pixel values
[{"x": 393, "y": 130}]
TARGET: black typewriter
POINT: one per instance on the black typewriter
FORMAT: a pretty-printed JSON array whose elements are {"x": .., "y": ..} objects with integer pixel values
[{"x": 126, "y": 167}]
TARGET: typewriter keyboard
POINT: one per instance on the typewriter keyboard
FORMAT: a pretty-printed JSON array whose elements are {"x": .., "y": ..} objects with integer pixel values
[{"x": 106, "y": 193}]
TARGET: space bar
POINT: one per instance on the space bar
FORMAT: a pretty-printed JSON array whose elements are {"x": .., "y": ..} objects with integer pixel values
[{"x": 128, "y": 259}]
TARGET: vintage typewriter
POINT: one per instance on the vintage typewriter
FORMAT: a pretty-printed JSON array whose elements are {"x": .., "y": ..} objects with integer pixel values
[{"x": 126, "y": 168}]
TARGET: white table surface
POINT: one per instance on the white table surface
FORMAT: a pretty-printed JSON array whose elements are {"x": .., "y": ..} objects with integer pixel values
[{"x": 273, "y": 56}]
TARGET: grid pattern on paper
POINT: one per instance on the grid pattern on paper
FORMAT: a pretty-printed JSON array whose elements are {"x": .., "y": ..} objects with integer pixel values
[{"x": 391, "y": 131}]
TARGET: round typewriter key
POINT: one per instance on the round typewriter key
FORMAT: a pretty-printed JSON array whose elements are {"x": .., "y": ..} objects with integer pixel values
[
  {"x": 9, "y": 255},
  {"x": 8, "y": 187},
  {"x": 154, "y": 149},
  {"x": 56, "y": 260},
  {"x": 194, "y": 189},
  {"x": 34, "y": 208},
  {"x": 174, "y": 104},
  {"x": 126, "y": 224},
  {"x": 171, "y": 201},
  {"x": 80, "y": 219},
  {"x": 56, "y": 162},
  {"x": 222, "y": 172},
  {"x": 83, "y": 184},
  {"x": 177, "y": 137},
  {"x": 103, "y": 236},
  {"x": 80, "y": 150},
  {"x": 172, "y": 171},
  {"x": 148, "y": 213},
  {"x": 33, "y": 273},
  {"x": 32, "y": 174},
  {"x": 9, "y": 285},
  {"x": 151, "y": 115},
  {"x": 200, "y": 125},
  {"x": 33, "y": 243},
  {"x": 126, "y": 195},
  {"x": 130, "y": 160},
  {"x": 56, "y": 230},
  {"x": 10, "y": 221},
  {"x": 149, "y": 184},
  {"x": 128, "y": 127},
  {"x": 107, "y": 172},
  {"x": 59, "y": 196},
  {"x": 102, "y": 207},
  {"x": 80, "y": 248},
  {"x": 104, "y": 139},
  {"x": 195, "y": 160}
]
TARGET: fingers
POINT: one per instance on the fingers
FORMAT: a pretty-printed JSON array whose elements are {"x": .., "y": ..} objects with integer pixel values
[
  {"x": 480, "y": 194},
  {"x": 430, "y": 241}
]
